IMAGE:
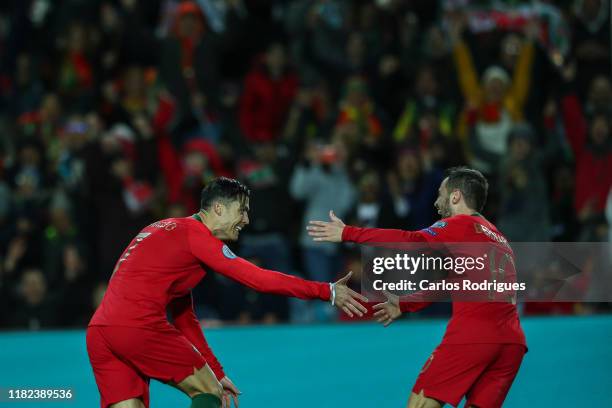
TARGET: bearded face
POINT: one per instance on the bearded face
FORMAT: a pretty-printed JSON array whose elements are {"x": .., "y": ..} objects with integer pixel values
[{"x": 442, "y": 203}]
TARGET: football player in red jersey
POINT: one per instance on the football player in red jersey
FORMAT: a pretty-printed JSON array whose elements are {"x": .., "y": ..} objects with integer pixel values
[
  {"x": 484, "y": 344},
  {"x": 129, "y": 338}
]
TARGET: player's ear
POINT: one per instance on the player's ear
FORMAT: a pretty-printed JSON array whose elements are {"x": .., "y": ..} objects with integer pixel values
[
  {"x": 455, "y": 196},
  {"x": 218, "y": 208}
]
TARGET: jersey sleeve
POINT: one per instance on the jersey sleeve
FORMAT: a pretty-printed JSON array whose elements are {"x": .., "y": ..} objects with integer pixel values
[
  {"x": 379, "y": 235},
  {"x": 186, "y": 322},
  {"x": 435, "y": 233},
  {"x": 446, "y": 230},
  {"x": 217, "y": 256}
]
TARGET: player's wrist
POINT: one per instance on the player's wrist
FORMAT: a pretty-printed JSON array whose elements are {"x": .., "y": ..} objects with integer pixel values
[{"x": 332, "y": 293}]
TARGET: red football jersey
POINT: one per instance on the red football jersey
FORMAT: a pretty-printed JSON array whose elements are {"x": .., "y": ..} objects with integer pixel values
[
  {"x": 164, "y": 262},
  {"x": 471, "y": 322}
]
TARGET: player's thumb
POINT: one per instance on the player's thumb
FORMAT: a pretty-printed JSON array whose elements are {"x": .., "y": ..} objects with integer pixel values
[
  {"x": 343, "y": 280},
  {"x": 391, "y": 298},
  {"x": 332, "y": 216}
]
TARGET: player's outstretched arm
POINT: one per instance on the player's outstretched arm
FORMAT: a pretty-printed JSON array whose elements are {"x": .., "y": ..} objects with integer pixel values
[
  {"x": 336, "y": 231},
  {"x": 219, "y": 258}
]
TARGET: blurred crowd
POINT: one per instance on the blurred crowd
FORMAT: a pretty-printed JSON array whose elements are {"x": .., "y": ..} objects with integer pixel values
[{"x": 115, "y": 113}]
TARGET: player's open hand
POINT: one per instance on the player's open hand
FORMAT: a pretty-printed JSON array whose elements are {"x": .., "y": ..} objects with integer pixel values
[
  {"x": 230, "y": 392},
  {"x": 387, "y": 312},
  {"x": 346, "y": 299},
  {"x": 326, "y": 231}
]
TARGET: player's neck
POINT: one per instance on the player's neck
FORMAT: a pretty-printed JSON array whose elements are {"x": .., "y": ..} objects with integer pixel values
[
  {"x": 464, "y": 210},
  {"x": 202, "y": 217}
]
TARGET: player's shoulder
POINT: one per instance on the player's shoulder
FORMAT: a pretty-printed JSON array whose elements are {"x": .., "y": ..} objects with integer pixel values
[
  {"x": 445, "y": 229},
  {"x": 194, "y": 228},
  {"x": 472, "y": 221},
  {"x": 481, "y": 227},
  {"x": 174, "y": 224},
  {"x": 454, "y": 222},
  {"x": 469, "y": 219}
]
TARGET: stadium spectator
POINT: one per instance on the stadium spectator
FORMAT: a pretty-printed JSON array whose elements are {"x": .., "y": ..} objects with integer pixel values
[
  {"x": 590, "y": 142},
  {"x": 35, "y": 308},
  {"x": 311, "y": 116},
  {"x": 59, "y": 234},
  {"x": 25, "y": 93},
  {"x": 591, "y": 36},
  {"x": 600, "y": 96},
  {"x": 563, "y": 214},
  {"x": 188, "y": 59},
  {"x": 269, "y": 90},
  {"x": 412, "y": 186},
  {"x": 524, "y": 213},
  {"x": 75, "y": 288},
  {"x": 493, "y": 104},
  {"x": 322, "y": 182},
  {"x": 76, "y": 72},
  {"x": 374, "y": 208},
  {"x": 361, "y": 128},
  {"x": 122, "y": 199},
  {"x": 427, "y": 100}
]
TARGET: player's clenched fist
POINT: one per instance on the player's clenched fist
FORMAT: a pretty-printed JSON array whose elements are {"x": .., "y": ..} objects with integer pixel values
[
  {"x": 346, "y": 299},
  {"x": 326, "y": 231},
  {"x": 387, "y": 312}
]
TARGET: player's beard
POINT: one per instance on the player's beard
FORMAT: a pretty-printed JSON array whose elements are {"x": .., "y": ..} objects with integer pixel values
[{"x": 444, "y": 209}]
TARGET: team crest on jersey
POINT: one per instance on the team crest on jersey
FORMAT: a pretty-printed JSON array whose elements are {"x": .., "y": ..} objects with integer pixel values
[{"x": 228, "y": 252}]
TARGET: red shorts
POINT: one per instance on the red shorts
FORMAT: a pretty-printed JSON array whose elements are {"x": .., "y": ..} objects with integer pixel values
[
  {"x": 125, "y": 358},
  {"x": 483, "y": 373}
]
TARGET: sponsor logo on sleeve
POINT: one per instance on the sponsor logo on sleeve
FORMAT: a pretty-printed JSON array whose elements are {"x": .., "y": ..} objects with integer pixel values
[
  {"x": 430, "y": 230},
  {"x": 228, "y": 252}
]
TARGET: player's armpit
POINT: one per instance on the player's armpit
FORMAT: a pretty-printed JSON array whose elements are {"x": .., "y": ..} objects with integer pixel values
[{"x": 186, "y": 321}]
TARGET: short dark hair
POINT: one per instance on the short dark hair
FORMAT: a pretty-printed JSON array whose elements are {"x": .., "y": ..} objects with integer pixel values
[
  {"x": 472, "y": 184},
  {"x": 223, "y": 189}
]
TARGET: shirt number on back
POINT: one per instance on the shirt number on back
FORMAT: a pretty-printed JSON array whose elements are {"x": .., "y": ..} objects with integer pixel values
[
  {"x": 139, "y": 238},
  {"x": 498, "y": 272}
]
